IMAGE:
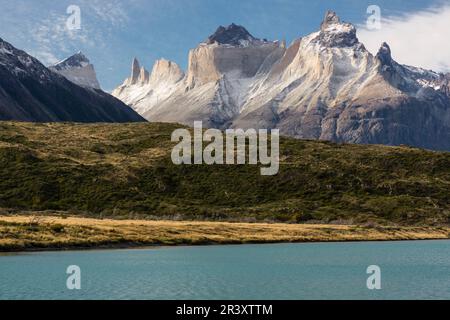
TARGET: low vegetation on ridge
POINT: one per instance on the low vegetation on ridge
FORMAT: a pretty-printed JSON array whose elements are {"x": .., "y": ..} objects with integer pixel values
[{"x": 124, "y": 171}]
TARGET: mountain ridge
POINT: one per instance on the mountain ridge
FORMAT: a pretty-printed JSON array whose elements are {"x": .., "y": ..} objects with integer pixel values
[
  {"x": 324, "y": 86},
  {"x": 29, "y": 91}
]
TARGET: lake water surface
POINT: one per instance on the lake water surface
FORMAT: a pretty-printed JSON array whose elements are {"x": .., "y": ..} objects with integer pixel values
[{"x": 410, "y": 270}]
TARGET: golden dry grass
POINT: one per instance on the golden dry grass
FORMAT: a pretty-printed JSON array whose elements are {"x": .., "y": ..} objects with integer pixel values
[{"x": 19, "y": 233}]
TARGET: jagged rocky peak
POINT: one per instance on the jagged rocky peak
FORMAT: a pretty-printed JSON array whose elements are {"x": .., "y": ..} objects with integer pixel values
[
  {"x": 78, "y": 60},
  {"x": 335, "y": 33},
  {"x": 135, "y": 71},
  {"x": 331, "y": 18},
  {"x": 79, "y": 70},
  {"x": 139, "y": 75},
  {"x": 166, "y": 70},
  {"x": 384, "y": 54},
  {"x": 324, "y": 86},
  {"x": 163, "y": 71},
  {"x": 234, "y": 35},
  {"x": 144, "y": 76}
]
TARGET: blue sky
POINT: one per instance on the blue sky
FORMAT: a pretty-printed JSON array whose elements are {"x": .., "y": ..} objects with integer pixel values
[{"x": 114, "y": 31}]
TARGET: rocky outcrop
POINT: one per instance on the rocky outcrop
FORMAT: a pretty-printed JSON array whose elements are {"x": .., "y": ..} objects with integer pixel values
[
  {"x": 144, "y": 76},
  {"x": 334, "y": 33},
  {"x": 166, "y": 71},
  {"x": 220, "y": 71},
  {"x": 209, "y": 63},
  {"x": 323, "y": 86},
  {"x": 144, "y": 90},
  {"x": 135, "y": 72},
  {"x": 233, "y": 35},
  {"x": 384, "y": 55}
]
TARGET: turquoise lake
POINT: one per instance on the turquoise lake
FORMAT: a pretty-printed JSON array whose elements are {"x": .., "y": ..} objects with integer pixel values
[{"x": 409, "y": 270}]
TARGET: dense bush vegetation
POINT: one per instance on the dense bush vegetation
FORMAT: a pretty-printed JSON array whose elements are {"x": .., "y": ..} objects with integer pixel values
[{"x": 125, "y": 171}]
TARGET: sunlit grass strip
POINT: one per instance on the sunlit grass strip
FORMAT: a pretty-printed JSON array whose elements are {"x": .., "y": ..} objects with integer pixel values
[{"x": 20, "y": 233}]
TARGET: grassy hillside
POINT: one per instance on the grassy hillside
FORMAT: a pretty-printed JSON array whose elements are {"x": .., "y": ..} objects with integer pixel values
[{"x": 125, "y": 171}]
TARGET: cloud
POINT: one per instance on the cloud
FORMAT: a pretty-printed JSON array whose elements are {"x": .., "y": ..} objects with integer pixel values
[
  {"x": 45, "y": 56},
  {"x": 51, "y": 35},
  {"x": 418, "y": 39},
  {"x": 111, "y": 12},
  {"x": 99, "y": 18}
]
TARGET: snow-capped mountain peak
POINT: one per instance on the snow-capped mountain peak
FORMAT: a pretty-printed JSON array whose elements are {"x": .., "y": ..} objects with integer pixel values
[
  {"x": 335, "y": 33},
  {"x": 409, "y": 78},
  {"x": 29, "y": 91},
  {"x": 22, "y": 64},
  {"x": 325, "y": 85},
  {"x": 79, "y": 70},
  {"x": 78, "y": 60},
  {"x": 330, "y": 19}
]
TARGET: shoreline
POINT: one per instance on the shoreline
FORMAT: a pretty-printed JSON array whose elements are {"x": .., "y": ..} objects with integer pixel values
[
  {"x": 161, "y": 246},
  {"x": 22, "y": 234}
]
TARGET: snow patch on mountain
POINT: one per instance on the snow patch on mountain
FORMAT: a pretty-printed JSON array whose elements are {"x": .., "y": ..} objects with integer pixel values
[
  {"x": 29, "y": 91},
  {"x": 22, "y": 64},
  {"x": 143, "y": 90},
  {"x": 325, "y": 86}
]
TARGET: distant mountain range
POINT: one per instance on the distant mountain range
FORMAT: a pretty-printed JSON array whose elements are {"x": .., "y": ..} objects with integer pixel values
[
  {"x": 323, "y": 86},
  {"x": 29, "y": 91}
]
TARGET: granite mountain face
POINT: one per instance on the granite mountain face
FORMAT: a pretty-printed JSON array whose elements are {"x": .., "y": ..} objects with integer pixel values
[
  {"x": 29, "y": 91},
  {"x": 323, "y": 86},
  {"x": 220, "y": 72}
]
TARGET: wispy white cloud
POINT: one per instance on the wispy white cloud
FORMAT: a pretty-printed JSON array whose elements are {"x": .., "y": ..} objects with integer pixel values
[
  {"x": 98, "y": 18},
  {"x": 51, "y": 35},
  {"x": 419, "y": 39},
  {"x": 112, "y": 12}
]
